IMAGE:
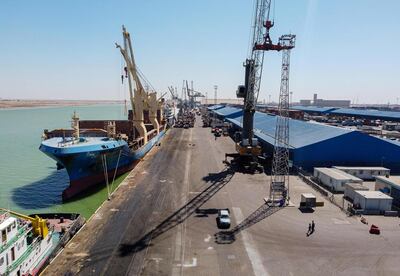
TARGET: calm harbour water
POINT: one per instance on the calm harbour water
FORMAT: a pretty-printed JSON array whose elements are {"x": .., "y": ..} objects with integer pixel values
[{"x": 29, "y": 180}]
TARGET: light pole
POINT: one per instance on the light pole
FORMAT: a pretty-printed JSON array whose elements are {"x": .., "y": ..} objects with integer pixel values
[
  {"x": 215, "y": 94},
  {"x": 291, "y": 98},
  {"x": 215, "y": 103}
]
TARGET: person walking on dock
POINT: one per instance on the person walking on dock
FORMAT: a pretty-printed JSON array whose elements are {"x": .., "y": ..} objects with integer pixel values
[
  {"x": 309, "y": 230},
  {"x": 312, "y": 226}
]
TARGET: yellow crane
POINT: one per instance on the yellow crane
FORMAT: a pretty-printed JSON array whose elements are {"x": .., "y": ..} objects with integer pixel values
[
  {"x": 39, "y": 225},
  {"x": 152, "y": 106},
  {"x": 138, "y": 97}
]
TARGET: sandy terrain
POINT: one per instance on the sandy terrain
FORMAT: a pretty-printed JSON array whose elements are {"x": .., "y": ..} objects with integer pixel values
[{"x": 5, "y": 103}]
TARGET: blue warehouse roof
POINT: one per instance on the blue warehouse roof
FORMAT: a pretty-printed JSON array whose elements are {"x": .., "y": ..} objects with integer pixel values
[
  {"x": 301, "y": 133},
  {"x": 229, "y": 111},
  {"x": 368, "y": 113},
  {"x": 319, "y": 145},
  {"x": 215, "y": 107},
  {"x": 315, "y": 109}
]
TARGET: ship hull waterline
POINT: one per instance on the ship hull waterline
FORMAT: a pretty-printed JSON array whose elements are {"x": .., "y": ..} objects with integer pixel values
[{"x": 86, "y": 169}]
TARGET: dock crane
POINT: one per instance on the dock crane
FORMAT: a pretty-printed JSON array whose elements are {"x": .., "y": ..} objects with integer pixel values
[
  {"x": 248, "y": 149},
  {"x": 192, "y": 95},
  {"x": 173, "y": 93}
]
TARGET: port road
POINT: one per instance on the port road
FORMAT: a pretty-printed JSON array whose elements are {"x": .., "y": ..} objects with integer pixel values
[{"x": 162, "y": 221}]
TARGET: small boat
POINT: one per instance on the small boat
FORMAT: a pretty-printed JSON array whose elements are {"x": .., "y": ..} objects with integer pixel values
[{"x": 28, "y": 243}]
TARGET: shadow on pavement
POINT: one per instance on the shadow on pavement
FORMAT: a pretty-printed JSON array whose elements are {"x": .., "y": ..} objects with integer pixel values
[
  {"x": 217, "y": 182},
  {"x": 228, "y": 237},
  {"x": 306, "y": 210},
  {"x": 206, "y": 212}
]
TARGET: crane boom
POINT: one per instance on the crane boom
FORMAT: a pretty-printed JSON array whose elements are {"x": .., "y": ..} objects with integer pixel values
[
  {"x": 138, "y": 97},
  {"x": 39, "y": 225},
  {"x": 261, "y": 42}
]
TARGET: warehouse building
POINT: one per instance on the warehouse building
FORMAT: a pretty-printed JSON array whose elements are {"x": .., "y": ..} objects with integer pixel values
[
  {"x": 365, "y": 173},
  {"x": 370, "y": 114},
  {"x": 351, "y": 188},
  {"x": 372, "y": 202},
  {"x": 391, "y": 186},
  {"x": 334, "y": 179},
  {"x": 318, "y": 145}
]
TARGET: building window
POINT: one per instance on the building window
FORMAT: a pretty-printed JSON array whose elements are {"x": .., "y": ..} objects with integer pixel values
[
  {"x": 9, "y": 228},
  {"x": 1, "y": 261},
  {"x": 13, "y": 225}
]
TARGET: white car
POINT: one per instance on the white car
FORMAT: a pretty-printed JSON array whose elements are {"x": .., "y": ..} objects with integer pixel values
[{"x": 223, "y": 219}]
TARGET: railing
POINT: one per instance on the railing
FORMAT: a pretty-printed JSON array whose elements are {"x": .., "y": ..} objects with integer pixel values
[
  {"x": 328, "y": 195},
  {"x": 20, "y": 232},
  {"x": 77, "y": 224},
  {"x": 314, "y": 185},
  {"x": 23, "y": 256}
]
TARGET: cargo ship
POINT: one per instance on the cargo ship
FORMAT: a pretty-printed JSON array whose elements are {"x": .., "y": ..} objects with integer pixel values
[
  {"x": 28, "y": 243},
  {"x": 94, "y": 152}
]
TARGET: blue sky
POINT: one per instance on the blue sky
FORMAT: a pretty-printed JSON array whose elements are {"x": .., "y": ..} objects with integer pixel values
[{"x": 65, "y": 49}]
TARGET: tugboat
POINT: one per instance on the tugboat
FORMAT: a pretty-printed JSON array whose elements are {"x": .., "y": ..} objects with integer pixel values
[
  {"x": 96, "y": 151},
  {"x": 27, "y": 243}
]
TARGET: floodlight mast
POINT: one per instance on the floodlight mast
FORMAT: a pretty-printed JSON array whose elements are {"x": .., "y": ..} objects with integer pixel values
[{"x": 279, "y": 188}]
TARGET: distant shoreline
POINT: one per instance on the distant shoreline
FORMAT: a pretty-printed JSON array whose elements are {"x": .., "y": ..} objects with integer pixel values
[{"x": 15, "y": 103}]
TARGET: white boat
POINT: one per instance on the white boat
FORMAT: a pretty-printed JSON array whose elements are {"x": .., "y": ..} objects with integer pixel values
[{"x": 25, "y": 243}]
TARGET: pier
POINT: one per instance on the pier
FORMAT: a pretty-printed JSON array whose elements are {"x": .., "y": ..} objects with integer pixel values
[{"x": 162, "y": 221}]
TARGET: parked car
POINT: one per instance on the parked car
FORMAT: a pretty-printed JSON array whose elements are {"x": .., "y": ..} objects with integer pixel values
[{"x": 223, "y": 219}]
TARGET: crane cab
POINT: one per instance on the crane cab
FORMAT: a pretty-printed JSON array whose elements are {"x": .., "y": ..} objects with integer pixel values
[{"x": 248, "y": 147}]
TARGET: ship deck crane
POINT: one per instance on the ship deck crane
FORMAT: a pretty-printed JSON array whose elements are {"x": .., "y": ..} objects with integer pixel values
[
  {"x": 39, "y": 225},
  {"x": 139, "y": 95},
  {"x": 248, "y": 149}
]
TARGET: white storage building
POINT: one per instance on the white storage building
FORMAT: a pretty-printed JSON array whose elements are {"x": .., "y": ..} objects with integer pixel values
[
  {"x": 372, "y": 202},
  {"x": 365, "y": 173},
  {"x": 389, "y": 185},
  {"x": 334, "y": 178},
  {"x": 351, "y": 188}
]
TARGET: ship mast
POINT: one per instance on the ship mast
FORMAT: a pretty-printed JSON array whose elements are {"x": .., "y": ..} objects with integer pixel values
[
  {"x": 75, "y": 126},
  {"x": 139, "y": 96}
]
